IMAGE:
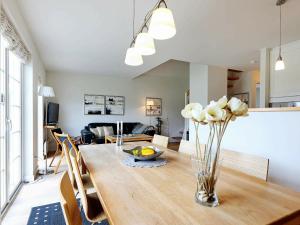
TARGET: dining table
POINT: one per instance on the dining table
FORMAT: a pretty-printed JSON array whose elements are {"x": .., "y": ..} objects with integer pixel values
[{"x": 166, "y": 195}]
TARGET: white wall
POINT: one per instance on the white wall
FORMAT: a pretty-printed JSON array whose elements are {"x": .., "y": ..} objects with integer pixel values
[
  {"x": 285, "y": 84},
  {"x": 168, "y": 81},
  {"x": 272, "y": 135},
  {"x": 32, "y": 72}
]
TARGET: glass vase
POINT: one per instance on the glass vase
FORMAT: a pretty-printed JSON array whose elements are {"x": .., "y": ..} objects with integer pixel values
[{"x": 206, "y": 176}]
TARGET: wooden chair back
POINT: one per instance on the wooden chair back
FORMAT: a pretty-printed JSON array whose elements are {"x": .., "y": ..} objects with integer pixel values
[
  {"x": 249, "y": 164},
  {"x": 79, "y": 182},
  {"x": 189, "y": 148},
  {"x": 66, "y": 150},
  {"x": 57, "y": 131},
  {"x": 68, "y": 201},
  {"x": 160, "y": 140},
  {"x": 60, "y": 138}
]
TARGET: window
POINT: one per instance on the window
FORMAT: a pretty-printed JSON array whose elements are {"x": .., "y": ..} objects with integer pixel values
[{"x": 10, "y": 123}]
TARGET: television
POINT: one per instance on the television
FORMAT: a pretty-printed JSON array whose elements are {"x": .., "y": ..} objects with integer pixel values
[{"x": 52, "y": 113}]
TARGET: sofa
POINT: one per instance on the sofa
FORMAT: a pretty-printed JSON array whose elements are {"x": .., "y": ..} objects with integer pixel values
[{"x": 89, "y": 137}]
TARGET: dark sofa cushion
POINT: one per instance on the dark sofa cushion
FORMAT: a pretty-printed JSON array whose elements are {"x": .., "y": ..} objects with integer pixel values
[{"x": 127, "y": 127}]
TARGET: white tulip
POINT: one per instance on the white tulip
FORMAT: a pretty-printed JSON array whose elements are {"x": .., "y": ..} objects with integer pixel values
[
  {"x": 198, "y": 115},
  {"x": 237, "y": 107},
  {"x": 214, "y": 113},
  {"x": 187, "y": 112},
  {"x": 222, "y": 102}
]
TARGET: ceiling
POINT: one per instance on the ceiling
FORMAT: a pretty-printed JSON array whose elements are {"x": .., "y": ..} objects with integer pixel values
[{"x": 91, "y": 37}]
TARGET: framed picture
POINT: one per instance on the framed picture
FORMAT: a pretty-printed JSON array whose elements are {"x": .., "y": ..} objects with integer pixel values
[
  {"x": 114, "y": 105},
  {"x": 94, "y": 104},
  {"x": 244, "y": 97},
  {"x": 104, "y": 105},
  {"x": 153, "y": 106}
]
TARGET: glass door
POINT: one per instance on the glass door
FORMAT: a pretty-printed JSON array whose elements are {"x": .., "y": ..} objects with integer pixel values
[
  {"x": 3, "y": 155},
  {"x": 10, "y": 124}
]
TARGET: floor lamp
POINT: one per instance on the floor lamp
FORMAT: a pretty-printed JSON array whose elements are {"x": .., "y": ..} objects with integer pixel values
[{"x": 46, "y": 92}]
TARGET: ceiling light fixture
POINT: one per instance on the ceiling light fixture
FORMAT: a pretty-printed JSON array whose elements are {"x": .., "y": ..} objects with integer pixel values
[
  {"x": 133, "y": 57},
  {"x": 280, "y": 63},
  {"x": 161, "y": 26}
]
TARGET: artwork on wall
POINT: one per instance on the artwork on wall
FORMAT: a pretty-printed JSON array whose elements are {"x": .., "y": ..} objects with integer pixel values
[
  {"x": 114, "y": 105},
  {"x": 153, "y": 106},
  {"x": 244, "y": 97},
  {"x": 94, "y": 104},
  {"x": 104, "y": 105}
]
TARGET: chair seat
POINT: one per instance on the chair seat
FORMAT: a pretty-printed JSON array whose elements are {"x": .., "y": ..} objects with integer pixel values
[{"x": 96, "y": 212}]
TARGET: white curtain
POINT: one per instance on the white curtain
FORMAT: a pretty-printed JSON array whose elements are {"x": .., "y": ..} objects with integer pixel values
[{"x": 9, "y": 32}]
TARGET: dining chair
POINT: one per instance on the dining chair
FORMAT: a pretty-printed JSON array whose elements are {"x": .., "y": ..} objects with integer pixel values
[
  {"x": 189, "y": 147},
  {"x": 160, "y": 140},
  {"x": 249, "y": 164},
  {"x": 68, "y": 202},
  {"x": 60, "y": 139},
  {"x": 92, "y": 207},
  {"x": 58, "y": 145},
  {"x": 87, "y": 183}
]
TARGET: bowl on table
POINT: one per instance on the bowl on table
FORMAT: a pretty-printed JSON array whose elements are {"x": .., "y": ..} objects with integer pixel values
[{"x": 144, "y": 153}]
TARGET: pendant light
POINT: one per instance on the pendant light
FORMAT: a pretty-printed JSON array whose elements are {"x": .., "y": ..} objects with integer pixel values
[
  {"x": 280, "y": 63},
  {"x": 133, "y": 57},
  {"x": 162, "y": 25},
  {"x": 144, "y": 44}
]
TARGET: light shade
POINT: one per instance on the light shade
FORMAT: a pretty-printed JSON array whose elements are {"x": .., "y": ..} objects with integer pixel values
[
  {"x": 279, "y": 64},
  {"x": 133, "y": 57},
  {"x": 162, "y": 25},
  {"x": 46, "y": 91},
  {"x": 150, "y": 103},
  {"x": 144, "y": 44}
]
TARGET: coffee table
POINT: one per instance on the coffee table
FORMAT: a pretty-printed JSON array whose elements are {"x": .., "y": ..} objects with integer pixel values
[{"x": 129, "y": 138}]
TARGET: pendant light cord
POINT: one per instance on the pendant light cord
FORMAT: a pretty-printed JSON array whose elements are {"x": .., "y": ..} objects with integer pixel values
[
  {"x": 133, "y": 18},
  {"x": 280, "y": 33}
]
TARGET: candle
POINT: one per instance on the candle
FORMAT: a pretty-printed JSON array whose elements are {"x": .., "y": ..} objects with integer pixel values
[
  {"x": 121, "y": 127},
  {"x": 118, "y": 127}
]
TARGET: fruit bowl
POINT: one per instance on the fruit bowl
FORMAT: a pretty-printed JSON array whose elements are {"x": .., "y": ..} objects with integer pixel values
[{"x": 144, "y": 153}]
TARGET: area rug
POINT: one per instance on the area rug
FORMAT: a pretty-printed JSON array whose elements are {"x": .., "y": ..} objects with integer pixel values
[{"x": 52, "y": 214}]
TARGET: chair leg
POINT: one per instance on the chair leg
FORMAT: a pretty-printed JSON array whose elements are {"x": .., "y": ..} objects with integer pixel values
[
  {"x": 59, "y": 162},
  {"x": 55, "y": 154}
]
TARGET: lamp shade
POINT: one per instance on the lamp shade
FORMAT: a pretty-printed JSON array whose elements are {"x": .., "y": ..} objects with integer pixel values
[
  {"x": 279, "y": 64},
  {"x": 133, "y": 57},
  {"x": 162, "y": 25},
  {"x": 46, "y": 91},
  {"x": 144, "y": 44},
  {"x": 150, "y": 103}
]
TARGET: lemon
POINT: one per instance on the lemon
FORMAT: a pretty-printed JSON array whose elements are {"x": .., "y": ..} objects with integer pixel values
[{"x": 147, "y": 151}]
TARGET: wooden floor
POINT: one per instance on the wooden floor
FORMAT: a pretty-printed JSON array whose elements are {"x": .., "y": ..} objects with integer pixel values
[{"x": 41, "y": 192}]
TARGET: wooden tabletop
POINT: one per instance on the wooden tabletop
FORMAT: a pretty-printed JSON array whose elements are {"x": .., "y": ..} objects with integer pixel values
[
  {"x": 135, "y": 137},
  {"x": 165, "y": 195}
]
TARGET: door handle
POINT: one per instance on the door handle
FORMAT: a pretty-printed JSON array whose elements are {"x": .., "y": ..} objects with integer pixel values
[{"x": 9, "y": 123}]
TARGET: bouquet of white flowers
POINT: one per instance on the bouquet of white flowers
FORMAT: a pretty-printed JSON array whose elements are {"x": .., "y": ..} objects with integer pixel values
[{"x": 217, "y": 116}]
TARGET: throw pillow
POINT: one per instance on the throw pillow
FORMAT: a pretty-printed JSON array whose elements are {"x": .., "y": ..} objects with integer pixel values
[
  {"x": 140, "y": 130},
  {"x": 101, "y": 131},
  {"x": 136, "y": 128},
  {"x": 108, "y": 131},
  {"x": 95, "y": 131}
]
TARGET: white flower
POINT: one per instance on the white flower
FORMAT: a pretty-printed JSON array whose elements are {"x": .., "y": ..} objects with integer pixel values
[
  {"x": 214, "y": 112},
  {"x": 222, "y": 102},
  {"x": 199, "y": 116},
  {"x": 191, "y": 108},
  {"x": 237, "y": 107}
]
